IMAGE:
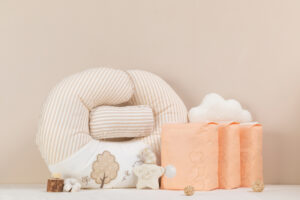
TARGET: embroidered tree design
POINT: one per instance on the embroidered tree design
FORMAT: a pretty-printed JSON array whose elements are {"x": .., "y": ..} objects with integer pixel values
[{"x": 105, "y": 168}]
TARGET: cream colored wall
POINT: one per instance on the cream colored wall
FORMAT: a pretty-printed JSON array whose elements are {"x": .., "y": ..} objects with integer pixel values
[{"x": 248, "y": 50}]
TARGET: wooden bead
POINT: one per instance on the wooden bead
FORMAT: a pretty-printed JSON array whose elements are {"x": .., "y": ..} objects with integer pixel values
[
  {"x": 189, "y": 190},
  {"x": 258, "y": 186},
  {"x": 55, "y": 185}
]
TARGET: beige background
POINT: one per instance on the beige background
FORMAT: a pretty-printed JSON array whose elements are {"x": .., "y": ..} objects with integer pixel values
[{"x": 248, "y": 50}]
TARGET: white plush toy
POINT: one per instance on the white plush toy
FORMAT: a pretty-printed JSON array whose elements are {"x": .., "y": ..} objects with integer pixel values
[
  {"x": 71, "y": 185},
  {"x": 149, "y": 173},
  {"x": 148, "y": 156},
  {"x": 215, "y": 108}
]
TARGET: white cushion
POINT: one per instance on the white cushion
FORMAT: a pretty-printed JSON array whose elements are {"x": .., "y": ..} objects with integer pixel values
[{"x": 79, "y": 165}]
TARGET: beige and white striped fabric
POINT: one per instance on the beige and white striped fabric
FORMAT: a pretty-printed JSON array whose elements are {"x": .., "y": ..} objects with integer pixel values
[
  {"x": 166, "y": 105},
  {"x": 64, "y": 126},
  {"x": 121, "y": 122}
]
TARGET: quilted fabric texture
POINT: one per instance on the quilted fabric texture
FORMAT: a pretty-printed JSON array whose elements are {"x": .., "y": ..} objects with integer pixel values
[
  {"x": 227, "y": 155},
  {"x": 193, "y": 150}
]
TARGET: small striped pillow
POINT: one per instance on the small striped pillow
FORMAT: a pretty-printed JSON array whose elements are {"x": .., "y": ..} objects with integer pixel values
[{"x": 121, "y": 122}]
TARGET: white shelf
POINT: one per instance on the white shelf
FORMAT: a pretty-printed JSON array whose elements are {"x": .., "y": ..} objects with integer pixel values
[{"x": 33, "y": 192}]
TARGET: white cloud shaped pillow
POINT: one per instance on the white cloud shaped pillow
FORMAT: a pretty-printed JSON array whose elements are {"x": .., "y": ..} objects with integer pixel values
[{"x": 215, "y": 108}]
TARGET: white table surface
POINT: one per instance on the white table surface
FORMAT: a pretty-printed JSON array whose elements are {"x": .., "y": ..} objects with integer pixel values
[{"x": 33, "y": 192}]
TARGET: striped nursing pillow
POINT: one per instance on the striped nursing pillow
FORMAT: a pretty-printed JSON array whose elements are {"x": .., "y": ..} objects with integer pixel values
[{"x": 69, "y": 136}]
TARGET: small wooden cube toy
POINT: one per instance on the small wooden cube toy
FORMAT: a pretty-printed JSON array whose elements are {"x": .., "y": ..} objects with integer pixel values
[{"x": 55, "y": 183}]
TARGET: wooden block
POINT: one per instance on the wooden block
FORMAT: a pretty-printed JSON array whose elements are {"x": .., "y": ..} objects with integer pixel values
[{"x": 55, "y": 185}]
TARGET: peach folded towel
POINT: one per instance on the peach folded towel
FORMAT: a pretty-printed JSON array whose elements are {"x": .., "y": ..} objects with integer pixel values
[
  {"x": 193, "y": 150},
  {"x": 209, "y": 156},
  {"x": 229, "y": 156},
  {"x": 251, "y": 153}
]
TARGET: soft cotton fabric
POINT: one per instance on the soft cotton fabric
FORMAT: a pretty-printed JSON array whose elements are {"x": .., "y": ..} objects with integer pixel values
[
  {"x": 64, "y": 131},
  {"x": 251, "y": 138},
  {"x": 79, "y": 165},
  {"x": 224, "y": 155},
  {"x": 166, "y": 105},
  {"x": 229, "y": 156},
  {"x": 117, "y": 122},
  {"x": 193, "y": 150}
]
